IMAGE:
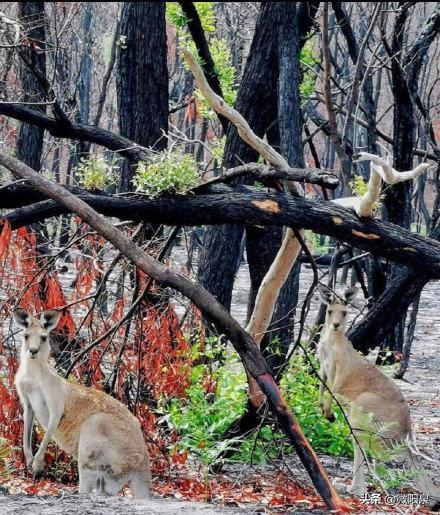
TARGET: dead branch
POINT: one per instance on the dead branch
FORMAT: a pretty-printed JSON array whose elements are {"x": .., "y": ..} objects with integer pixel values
[
  {"x": 326, "y": 178},
  {"x": 221, "y": 204},
  {"x": 381, "y": 169}
]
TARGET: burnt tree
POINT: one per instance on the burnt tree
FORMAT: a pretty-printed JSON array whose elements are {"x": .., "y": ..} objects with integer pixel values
[
  {"x": 32, "y": 65},
  {"x": 262, "y": 244},
  {"x": 257, "y": 102},
  {"x": 142, "y": 79}
]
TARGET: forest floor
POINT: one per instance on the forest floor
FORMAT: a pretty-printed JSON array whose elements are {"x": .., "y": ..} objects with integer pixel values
[{"x": 261, "y": 489}]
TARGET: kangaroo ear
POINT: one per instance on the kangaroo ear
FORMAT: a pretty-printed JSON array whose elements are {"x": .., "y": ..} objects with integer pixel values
[
  {"x": 350, "y": 293},
  {"x": 22, "y": 317},
  {"x": 326, "y": 294},
  {"x": 49, "y": 319}
]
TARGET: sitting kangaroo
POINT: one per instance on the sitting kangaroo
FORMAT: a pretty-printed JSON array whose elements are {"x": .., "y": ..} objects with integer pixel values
[
  {"x": 368, "y": 391},
  {"x": 98, "y": 430}
]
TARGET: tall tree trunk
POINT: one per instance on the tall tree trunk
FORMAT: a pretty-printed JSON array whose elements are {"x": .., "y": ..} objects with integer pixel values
[
  {"x": 289, "y": 127},
  {"x": 84, "y": 80},
  {"x": 398, "y": 198},
  {"x": 256, "y": 101},
  {"x": 217, "y": 266},
  {"x": 142, "y": 79},
  {"x": 30, "y": 137}
]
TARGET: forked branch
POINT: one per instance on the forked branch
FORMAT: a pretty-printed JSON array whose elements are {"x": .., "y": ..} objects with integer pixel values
[{"x": 381, "y": 169}]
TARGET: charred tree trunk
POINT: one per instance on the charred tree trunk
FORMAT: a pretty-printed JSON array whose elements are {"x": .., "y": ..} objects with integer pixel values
[
  {"x": 398, "y": 199},
  {"x": 30, "y": 137},
  {"x": 262, "y": 244},
  {"x": 256, "y": 101},
  {"x": 142, "y": 79},
  {"x": 33, "y": 65},
  {"x": 217, "y": 266}
]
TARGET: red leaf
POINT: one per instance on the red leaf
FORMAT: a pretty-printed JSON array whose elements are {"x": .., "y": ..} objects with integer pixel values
[{"x": 5, "y": 238}]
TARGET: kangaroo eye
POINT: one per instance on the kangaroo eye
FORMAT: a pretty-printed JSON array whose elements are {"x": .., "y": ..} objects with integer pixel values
[{"x": 44, "y": 338}]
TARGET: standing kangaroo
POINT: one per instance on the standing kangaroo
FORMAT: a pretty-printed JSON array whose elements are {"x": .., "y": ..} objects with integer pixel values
[
  {"x": 369, "y": 392},
  {"x": 98, "y": 430}
]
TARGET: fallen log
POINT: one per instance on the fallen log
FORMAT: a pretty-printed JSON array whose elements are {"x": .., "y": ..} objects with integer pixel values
[{"x": 220, "y": 204}]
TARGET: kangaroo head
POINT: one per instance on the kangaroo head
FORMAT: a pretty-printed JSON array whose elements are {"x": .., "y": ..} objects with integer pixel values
[
  {"x": 36, "y": 332},
  {"x": 336, "y": 313}
]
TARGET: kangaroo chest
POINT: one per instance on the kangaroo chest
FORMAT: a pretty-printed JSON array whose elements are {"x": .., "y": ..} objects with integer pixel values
[
  {"x": 333, "y": 360},
  {"x": 42, "y": 390},
  {"x": 37, "y": 399}
]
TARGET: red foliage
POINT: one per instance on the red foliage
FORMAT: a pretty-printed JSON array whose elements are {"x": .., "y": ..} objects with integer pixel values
[
  {"x": 5, "y": 238},
  {"x": 55, "y": 299},
  {"x": 164, "y": 353},
  {"x": 153, "y": 356}
]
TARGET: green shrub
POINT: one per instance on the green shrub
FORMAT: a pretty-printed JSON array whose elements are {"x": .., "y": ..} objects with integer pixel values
[
  {"x": 201, "y": 418},
  {"x": 95, "y": 172},
  {"x": 168, "y": 171},
  {"x": 301, "y": 390}
]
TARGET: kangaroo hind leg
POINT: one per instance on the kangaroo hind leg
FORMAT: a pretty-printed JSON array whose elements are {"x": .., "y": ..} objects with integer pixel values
[
  {"x": 140, "y": 485},
  {"x": 87, "y": 481}
]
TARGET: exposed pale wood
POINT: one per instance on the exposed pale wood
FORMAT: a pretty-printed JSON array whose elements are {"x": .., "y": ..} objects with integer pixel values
[
  {"x": 290, "y": 247},
  {"x": 267, "y": 297},
  {"x": 381, "y": 169}
]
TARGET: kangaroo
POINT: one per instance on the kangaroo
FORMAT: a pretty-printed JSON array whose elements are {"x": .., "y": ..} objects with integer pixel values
[
  {"x": 368, "y": 392},
  {"x": 98, "y": 430}
]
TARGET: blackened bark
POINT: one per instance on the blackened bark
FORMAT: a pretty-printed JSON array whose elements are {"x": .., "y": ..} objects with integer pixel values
[
  {"x": 77, "y": 131},
  {"x": 306, "y": 12},
  {"x": 402, "y": 290},
  {"x": 142, "y": 79},
  {"x": 244, "y": 205},
  {"x": 398, "y": 198},
  {"x": 217, "y": 266},
  {"x": 404, "y": 87},
  {"x": 84, "y": 81},
  {"x": 257, "y": 102},
  {"x": 263, "y": 243},
  {"x": 369, "y": 106},
  {"x": 290, "y": 132},
  {"x": 30, "y": 137}
]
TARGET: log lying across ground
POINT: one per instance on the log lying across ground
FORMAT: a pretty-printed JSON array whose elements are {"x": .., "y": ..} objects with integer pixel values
[
  {"x": 249, "y": 353},
  {"x": 220, "y": 204}
]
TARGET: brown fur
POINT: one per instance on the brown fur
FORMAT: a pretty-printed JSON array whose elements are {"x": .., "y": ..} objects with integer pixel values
[
  {"x": 367, "y": 391},
  {"x": 90, "y": 425}
]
